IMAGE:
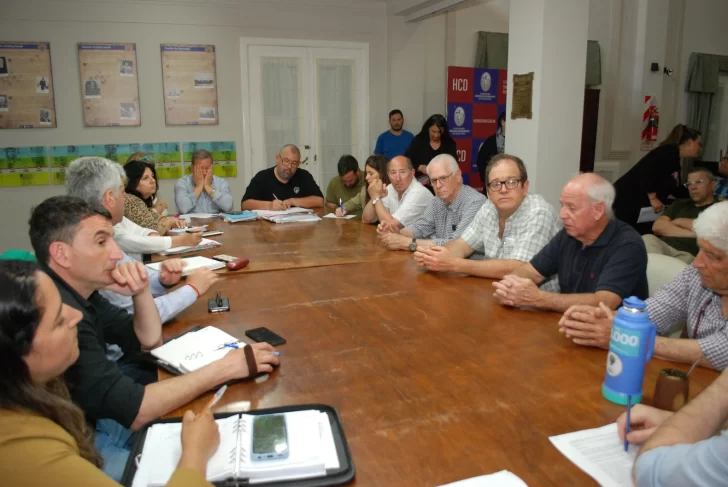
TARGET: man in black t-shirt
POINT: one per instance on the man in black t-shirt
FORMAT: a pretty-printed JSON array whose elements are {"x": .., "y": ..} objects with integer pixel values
[
  {"x": 596, "y": 258},
  {"x": 283, "y": 186}
]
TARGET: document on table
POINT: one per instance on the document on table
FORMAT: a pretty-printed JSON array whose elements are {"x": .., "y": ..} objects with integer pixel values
[
  {"x": 599, "y": 453},
  {"x": 504, "y": 478},
  {"x": 647, "y": 214},
  {"x": 333, "y": 215}
]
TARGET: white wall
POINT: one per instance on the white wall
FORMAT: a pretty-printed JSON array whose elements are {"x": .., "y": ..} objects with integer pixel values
[{"x": 65, "y": 23}]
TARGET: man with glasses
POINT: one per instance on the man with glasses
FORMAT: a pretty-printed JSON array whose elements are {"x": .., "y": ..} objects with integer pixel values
[
  {"x": 399, "y": 204},
  {"x": 446, "y": 216},
  {"x": 674, "y": 235},
  {"x": 597, "y": 259},
  {"x": 510, "y": 228},
  {"x": 202, "y": 191},
  {"x": 284, "y": 185}
]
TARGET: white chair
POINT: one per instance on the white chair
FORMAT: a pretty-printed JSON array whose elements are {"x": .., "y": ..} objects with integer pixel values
[{"x": 662, "y": 269}]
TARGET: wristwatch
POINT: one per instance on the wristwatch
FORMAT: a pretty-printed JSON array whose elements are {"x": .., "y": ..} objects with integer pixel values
[
  {"x": 413, "y": 244},
  {"x": 376, "y": 200}
]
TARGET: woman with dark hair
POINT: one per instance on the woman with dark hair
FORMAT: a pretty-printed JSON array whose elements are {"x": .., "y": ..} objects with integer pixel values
[
  {"x": 375, "y": 169},
  {"x": 141, "y": 189},
  {"x": 655, "y": 177},
  {"x": 434, "y": 139},
  {"x": 44, "y": 438},
  {"x": 494, "y": 145}
]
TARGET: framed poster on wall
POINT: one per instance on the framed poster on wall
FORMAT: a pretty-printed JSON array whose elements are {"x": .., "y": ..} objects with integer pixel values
[
  {"x": 109, "y": 85},
  {"x": 190, "y": 84}
]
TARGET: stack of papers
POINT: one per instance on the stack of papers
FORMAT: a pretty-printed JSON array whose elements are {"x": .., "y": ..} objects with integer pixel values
[
  {"x": 205, "y": 243},
  {"x": 600, "y": 454},
  {"x": 192, "y": 263},
  {"x": 292, "y": 215},
  {"x": 243, "y": 216},
  {"x": 333, "y": 215},
  {"x": 311, "y": 451},
  {"x": 179, "y": 231},
  {"x": 504, "y": 478},
  {"x": 188, "y": 216}
]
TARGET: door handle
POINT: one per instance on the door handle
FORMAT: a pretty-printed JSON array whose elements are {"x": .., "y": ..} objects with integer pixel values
[
  {"x": 304, "y": 161},
  {"x": 306, "y": 146}
]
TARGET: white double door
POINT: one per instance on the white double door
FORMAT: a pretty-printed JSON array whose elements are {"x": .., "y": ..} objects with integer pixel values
[{"x": 312, "y": 96}]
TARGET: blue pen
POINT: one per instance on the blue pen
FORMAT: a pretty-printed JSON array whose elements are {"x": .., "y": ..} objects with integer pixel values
[
  {"x": 341, "y": 205},
  {"x": 629, "y": 422}
]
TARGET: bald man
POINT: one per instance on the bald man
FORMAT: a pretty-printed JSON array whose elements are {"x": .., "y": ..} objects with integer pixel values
[
  {"x": 284, "y": 185},
  {"x": 596, "y": 258}
]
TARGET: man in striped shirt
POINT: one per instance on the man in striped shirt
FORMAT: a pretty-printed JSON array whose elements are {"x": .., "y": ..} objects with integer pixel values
[
  {"x": 698, "y": 296},
  {"x": 445, "y": 217},
  {"x": 510, "y": 228}
]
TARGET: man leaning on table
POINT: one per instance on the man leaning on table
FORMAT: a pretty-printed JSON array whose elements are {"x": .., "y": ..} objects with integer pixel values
[
  {"x": 596, "y": 258},
  {"x": 698, "y": 296},
  {"x": 73, "y": 242},
  {"x": 284, "y": 185},
  {"x": 446, "y": 216},
  {"x": 202, "y": 191},
  {"x": 399, "y": 204},
  {"x": 686, "y": 448},
  {"x": 510, "y": 228}
]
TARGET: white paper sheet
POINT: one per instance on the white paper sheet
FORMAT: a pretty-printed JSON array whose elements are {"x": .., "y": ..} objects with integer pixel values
[
  {"x": 647, "y": 214},
  {"x": 333, "y": 215},
  {"x": 504, "y": 478},
  {"x": 599, "y": 453}
]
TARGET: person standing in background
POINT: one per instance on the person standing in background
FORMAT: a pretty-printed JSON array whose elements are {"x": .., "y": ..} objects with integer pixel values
[
  {"x": 394, "y": 142},
  {"x": 494, "y": 145},
  {"x": 655, "y": 177},
  {"x": 434, "y": 139}
]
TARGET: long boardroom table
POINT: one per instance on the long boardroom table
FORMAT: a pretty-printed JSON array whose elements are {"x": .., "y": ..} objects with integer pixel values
[{"x": 433, "y": 379}]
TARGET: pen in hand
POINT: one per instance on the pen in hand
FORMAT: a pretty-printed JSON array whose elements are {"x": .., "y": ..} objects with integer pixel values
[
  {"x": 629, "y": 422},
  {"x": 236, "y": 346},
  {"x": 215, "y": 399}
]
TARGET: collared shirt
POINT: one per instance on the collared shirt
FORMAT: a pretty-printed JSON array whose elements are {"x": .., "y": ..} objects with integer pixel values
[
  {"x": 615, "y": 262},
  {"x": 703, "y": 464},
  {"x": 721, "y": 188},
  {"x": 443, "y": 223},
  {"x": 412, "y": 205},
  {"x": 135, "y": 240},
  {"x": 97, "y": 385},
  {"x": 169, "y": 304},
  {"x": 184, "y": 196},
  {"x": 686, "y": 300}
]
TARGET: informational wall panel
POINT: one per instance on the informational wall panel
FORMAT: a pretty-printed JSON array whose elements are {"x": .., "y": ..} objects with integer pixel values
[
  {"x": 24, "y": 166},
  {"x": 109, "y": 85},
  {"x": 26, "y": 86},
  {"x": 190, "y": 84}
]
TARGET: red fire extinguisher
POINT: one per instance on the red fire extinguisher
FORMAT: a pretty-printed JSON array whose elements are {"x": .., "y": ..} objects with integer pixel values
[{"x": 652, "y": 125}]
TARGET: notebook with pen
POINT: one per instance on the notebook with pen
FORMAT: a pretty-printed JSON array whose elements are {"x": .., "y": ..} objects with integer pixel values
[
  {"x": 205, "y": 243},
  {"x": 318, "y": 452},
  {"x": 194, "y": 350}
]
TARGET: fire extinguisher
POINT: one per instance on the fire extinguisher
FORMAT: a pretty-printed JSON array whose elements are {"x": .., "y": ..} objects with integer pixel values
[{"x": 652, "y": 125}]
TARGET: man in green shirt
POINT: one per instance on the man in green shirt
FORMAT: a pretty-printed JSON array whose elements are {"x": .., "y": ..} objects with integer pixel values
[
  {"x": 348, "y": 184},
  {"x": 674, "y": 235}
]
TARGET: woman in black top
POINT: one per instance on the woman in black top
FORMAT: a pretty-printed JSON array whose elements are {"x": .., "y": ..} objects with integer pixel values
[
  {"x": 655, "y": 176},
  {"x": 434, "y": 139},
  {"x": 494, "y": 145}
]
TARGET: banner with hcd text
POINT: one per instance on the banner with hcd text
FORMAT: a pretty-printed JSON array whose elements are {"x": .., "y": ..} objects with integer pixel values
[{"x": 475, "y": 99}]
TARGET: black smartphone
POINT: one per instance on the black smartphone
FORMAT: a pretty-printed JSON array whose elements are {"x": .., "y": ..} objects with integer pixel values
[{"x": 263, "y": 334}]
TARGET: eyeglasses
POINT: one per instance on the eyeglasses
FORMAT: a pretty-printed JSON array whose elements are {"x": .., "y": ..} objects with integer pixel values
[
  {"x": 508, "y": 183},
  {"x": 441, "y": 180},
  {"x": 289, "y": 163},
  {"x": 697, "y": 181}
]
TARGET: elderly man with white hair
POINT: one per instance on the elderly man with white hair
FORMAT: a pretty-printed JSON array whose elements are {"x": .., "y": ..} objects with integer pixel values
[
  {"x": 698, "y": 296},
  {"x": 446, "y": 216},
  {"x": 597, "y": 259},
  {"x": 510, "y": 228}
]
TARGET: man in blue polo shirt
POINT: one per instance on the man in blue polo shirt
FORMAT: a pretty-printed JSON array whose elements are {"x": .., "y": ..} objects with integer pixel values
[
  {"x": 394, "y": 141},
  {"x": 596, "y": 257}
]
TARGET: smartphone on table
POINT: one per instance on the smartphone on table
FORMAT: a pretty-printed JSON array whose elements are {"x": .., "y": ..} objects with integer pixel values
[
  {"x": 263, "y": 334},
  {"x": 270, "y": 438}
]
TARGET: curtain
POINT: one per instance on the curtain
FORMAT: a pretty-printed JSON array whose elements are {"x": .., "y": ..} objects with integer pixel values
[
  {"x": 281, "y": 104},
  {"x": 702, "y": 83},
  {"x": 492, "y": 53}
]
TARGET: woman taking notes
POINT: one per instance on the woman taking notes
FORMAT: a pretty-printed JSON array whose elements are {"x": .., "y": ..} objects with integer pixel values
[
  {"x": 44, "y": 438},
  {"x": 655, "y": 176},
  {"x": 375, "y": 170}
]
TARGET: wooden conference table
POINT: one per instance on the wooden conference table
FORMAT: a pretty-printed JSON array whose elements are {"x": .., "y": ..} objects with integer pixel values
[{"x": 433, "y": 379}]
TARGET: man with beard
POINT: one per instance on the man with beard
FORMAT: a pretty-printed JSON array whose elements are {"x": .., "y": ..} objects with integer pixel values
[
  {"x": 284, "y": 185},
  {"x": 348, "y": 184},
  {"x": 394, "y": 141}
]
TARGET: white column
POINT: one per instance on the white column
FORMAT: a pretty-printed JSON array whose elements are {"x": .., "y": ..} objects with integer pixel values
[{"x": 548, "y": 38}]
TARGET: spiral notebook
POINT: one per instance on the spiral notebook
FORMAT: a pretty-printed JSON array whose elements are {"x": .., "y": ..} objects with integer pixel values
[
  {"x": 312, "y": 451},
  {"x": 194, "y": 350}
]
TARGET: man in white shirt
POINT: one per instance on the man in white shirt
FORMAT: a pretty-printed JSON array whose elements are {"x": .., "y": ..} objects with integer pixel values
[
  {"x": 101, "y": 182},
  {"x": 401, "y": 203}
]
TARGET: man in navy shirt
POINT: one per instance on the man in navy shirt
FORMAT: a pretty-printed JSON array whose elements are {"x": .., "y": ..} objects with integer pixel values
[
  {"x": 394, "y": 141},
  {"x": 283, "y": 186},
  {"x": 596, "y": 258}
]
